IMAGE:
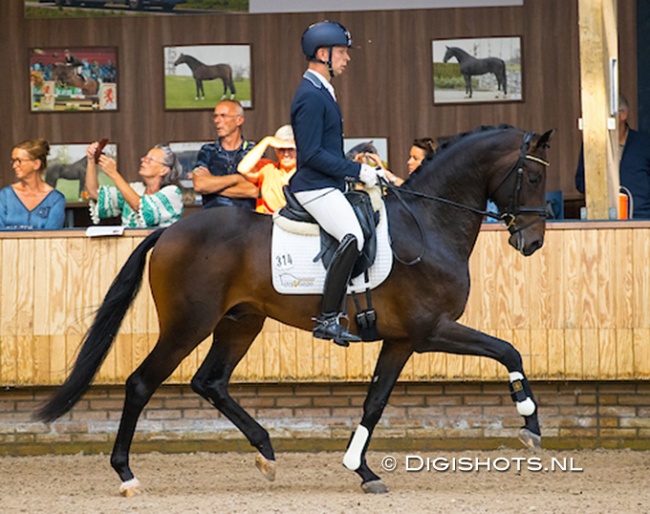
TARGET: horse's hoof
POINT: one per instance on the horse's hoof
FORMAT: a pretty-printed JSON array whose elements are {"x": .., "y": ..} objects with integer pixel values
[
  {"x": 374, "y": 487},
  {"x": 531, "y": 440},
  {"x": 130, "y": 488},
  {"x": 266, "y": 467}
]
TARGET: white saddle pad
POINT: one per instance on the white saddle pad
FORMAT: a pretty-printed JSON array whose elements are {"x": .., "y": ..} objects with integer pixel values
[{"x": 294, "y": 269}]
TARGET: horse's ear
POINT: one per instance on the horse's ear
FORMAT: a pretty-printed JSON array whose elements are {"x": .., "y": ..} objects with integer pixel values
[{"x": 543, "y": 141}]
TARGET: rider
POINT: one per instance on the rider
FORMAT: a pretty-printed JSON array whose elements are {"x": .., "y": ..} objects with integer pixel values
[
  {"x": 323, "y": 173},
  {"x": 71, "y": 60}
]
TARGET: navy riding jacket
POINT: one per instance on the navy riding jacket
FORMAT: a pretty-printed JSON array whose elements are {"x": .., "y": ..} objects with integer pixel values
[
  {"x": 318, "y": 128},
  {"x": 634, "y": 172}
]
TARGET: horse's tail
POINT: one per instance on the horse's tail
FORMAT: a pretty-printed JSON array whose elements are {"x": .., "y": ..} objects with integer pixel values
[{"x": 99, "y": 338}]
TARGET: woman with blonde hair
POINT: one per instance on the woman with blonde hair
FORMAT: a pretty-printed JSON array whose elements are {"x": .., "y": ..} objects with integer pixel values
[{"x": 30, "y": 203}]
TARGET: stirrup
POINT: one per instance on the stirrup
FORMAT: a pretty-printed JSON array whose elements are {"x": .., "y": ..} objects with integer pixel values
[{"x": 329, "y": 327}]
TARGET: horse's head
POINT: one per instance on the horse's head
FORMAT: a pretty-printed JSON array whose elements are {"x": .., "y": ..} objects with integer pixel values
[
  {"x": 519, "y": 190},
  {"x": 448, "y": 54},
  {"x": 180, "y": 60}
]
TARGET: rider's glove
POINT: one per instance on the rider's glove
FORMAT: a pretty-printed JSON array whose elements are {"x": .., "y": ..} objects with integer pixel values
[{"x": 369, "y": 175}]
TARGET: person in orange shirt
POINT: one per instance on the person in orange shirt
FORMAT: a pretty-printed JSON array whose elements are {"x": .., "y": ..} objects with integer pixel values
[{"x": 270, "y": 176}]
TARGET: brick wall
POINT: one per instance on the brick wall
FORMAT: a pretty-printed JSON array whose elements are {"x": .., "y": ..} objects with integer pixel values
[{"x": 322, "y": 416}]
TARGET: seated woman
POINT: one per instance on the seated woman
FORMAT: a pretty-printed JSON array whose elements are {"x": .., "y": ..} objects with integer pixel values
[
  {"x": 420, "y": 149},
  {"x": 154, "y": 202},
  {"x": 30, "y": 203},
  {"x": 269, "y": 176}
]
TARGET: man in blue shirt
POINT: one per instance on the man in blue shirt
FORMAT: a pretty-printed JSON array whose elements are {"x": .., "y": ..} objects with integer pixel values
[
  {"x": 215, "y": 175},
  {"x": 322, "y": 170},
  {"x": 634, "y": 169}
]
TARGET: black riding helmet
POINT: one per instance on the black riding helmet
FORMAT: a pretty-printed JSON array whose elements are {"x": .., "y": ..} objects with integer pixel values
[{"x": 324, "y": 34}]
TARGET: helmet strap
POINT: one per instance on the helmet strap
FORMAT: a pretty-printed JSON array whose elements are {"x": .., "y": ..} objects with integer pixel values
[{"x": 328, "y": 62}]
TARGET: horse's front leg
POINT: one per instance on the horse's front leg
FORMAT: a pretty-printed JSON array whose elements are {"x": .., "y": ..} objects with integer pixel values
[
  {"x": 198, "y": 88},
  {"x": 391, "y": 361},
  {"x": 468, "y": 85},
  {"x": 452, "y": 337}
]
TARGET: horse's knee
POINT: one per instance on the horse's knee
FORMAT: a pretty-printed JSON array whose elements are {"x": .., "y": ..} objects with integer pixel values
[
  {"x": 137, "y": 392},
  {"x": 214, "y": 391}
]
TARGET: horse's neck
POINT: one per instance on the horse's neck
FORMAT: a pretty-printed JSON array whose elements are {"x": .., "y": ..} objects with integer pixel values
[
  {"x": 193, "y": 63},
  {"x": 462, "y": 54}
]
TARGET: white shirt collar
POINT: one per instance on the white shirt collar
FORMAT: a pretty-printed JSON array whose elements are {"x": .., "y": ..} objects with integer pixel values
[{"x": 326, "y": 83}]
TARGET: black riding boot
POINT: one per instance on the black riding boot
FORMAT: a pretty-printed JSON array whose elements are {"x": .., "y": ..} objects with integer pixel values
[{"x": 334, "y": 293}]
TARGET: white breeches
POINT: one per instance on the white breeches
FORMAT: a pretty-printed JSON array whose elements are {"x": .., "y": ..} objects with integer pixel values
[{"x": 333, "y": 212}]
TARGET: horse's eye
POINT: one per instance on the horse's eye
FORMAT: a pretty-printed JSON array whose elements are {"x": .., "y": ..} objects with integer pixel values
[{"x": 534, "y": 177}]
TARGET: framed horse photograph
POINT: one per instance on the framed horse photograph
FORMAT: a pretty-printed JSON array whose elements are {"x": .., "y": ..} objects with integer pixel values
[
  {"x": 199, "y": 76},
  {"x": 477, "y": 70},
  {"x": 186, "y": 153},
  {"x": 69, "y": 79},
  {"x": 66, "y": 169}
]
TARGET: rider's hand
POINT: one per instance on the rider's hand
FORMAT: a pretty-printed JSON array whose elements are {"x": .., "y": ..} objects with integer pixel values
[{"x": 369, "y": 175}]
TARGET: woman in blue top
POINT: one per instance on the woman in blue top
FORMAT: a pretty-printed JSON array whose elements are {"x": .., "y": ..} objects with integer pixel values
[{"x": 30, "y": 203}]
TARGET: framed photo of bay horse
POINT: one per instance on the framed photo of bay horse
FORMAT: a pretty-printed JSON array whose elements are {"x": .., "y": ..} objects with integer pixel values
[
  {"x": 199, "y": 76},
  {"x": 68, "y": 79},
  {"x": 477, "y": 70}
]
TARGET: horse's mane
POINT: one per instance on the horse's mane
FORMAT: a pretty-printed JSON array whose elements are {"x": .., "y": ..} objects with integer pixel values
[
  {"x": 459, "y": 49},
  {"x": 452, "y": 142},
  {"x": 193, "y": 59}
]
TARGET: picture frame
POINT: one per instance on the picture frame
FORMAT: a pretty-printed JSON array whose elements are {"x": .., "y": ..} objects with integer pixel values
[
  {"x": 186, "y": 153},
  {"x": 66, "y": 169},
  {"x": 355, "y": 145},
  {"x": 199, "y": 76},
  {"x": 477, "y": 70},
  {"x": 73, "y": 79}
]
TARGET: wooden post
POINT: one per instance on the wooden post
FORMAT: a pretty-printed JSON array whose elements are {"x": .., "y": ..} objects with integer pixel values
[{"x": 598, "y": 45}]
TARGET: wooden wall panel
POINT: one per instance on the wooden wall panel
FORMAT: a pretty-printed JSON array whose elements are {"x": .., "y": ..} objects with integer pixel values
[
  {"x": 386, "y": 92},
  {"x": 567, "y": 328}
]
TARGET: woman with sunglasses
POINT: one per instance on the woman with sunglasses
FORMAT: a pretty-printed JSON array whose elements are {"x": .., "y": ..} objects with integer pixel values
[
  {"x": 154, "y": 202},
  {"x": 30, "y": 203}
]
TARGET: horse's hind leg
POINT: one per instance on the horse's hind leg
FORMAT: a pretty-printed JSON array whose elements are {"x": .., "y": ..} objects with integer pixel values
[
  {"x": 232, "y": 339},
  {"x": 233, "y": 91},
  {"x": 452, "y": 337},
  {"x": 159, "y": 364},
  {"x": 391, "y": 361}
]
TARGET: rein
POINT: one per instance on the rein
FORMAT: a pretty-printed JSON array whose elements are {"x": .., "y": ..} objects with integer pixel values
[{"x": 508, "y": 216}]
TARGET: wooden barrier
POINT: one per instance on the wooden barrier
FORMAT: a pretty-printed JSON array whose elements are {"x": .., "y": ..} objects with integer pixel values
[{"x": 578, "y": 309}]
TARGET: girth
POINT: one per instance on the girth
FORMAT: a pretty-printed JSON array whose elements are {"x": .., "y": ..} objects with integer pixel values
[{"x": 368, "y": 219}]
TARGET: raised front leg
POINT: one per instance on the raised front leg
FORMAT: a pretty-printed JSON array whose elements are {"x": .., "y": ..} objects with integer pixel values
[
  {"x": 452, "y": 337},
  {"x": 391, "y": 361}
]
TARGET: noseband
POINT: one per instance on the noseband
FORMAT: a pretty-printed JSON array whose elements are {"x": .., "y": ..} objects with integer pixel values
[{"x": 514, "y": 209}]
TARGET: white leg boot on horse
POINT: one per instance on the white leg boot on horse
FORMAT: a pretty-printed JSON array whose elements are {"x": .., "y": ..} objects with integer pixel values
[{"x": 334, "y": 295}]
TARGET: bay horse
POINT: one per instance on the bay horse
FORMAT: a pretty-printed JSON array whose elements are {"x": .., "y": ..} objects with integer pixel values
[
  {"x": 206, "y": 281},
  {"x": 65, "y": 75},
  {"x": 470, "y": 66},
  {"x": 202, "y": 72}
]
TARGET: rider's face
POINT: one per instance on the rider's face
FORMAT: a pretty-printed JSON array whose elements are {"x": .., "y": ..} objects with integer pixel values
[{"x": 340, "y": 58}]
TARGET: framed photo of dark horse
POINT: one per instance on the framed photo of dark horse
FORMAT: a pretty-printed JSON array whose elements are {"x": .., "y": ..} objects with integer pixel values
[
  {"x": 199, "y": 76},
  {"x": 477, "y": 70},
  {"x": 66, "y": 169},
  {"x": 69, "y": 79}
]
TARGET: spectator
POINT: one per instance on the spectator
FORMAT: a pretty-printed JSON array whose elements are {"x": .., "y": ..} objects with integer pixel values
[
  {"x": 634, "y": 168},
  {"x": 154, "y": 202},
  {"x": 420, "y": 149},
  {"x": 215, "y": 175},
  {"x": 30, "y": 203},
  {"x": 269, "y": 176}
]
